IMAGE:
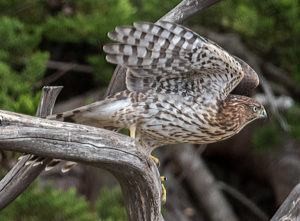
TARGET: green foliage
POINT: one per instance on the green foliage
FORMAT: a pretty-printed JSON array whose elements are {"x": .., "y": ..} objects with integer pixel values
[
  {"x": 90, "y": 22},
  {"x": 46, "y": 203},
  {"x": 21, "y": 66},
  {"x": 110, "y": 205},
  {"x": 29, "y": 11},
  {"x": 153, "y": 10},
  {"x": 16, "y": 42}
]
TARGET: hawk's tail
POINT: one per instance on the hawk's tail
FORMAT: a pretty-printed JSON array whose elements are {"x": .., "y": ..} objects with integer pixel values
[{"x": 98, "y": 114}]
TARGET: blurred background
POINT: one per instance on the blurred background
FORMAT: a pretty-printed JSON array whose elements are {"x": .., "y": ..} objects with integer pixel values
[{"x": 59, "y": 42}]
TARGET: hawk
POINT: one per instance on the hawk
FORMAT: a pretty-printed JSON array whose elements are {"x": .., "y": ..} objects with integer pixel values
[{"x": 178, "y": 88}]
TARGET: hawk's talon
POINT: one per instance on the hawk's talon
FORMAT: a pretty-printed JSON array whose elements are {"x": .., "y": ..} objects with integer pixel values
[
  {"x": 156, "y": 160},
  {"x": 164, "y": 194}
]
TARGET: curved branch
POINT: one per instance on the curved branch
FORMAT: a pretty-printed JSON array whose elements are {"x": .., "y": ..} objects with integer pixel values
[
  {"x": 187, "y": 8},
  {"x": 22, "y": 175},
  {"x": 290, "y": 209},
  {"x": 197, "y": 174},
  {"x": 136, "y": 172}
]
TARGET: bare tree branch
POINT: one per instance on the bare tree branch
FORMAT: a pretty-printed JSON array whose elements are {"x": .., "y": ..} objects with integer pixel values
[
  {"x": 243, "y": 199},
  {"x": 59, "y": 65},
  {"x": 290, "y": 209},
  {"x": 21, "y": 176},
  {"x": 63, "y": 68},
  {"x": 119, "y": 154},
  {"x": 187, "y": 8},
  {"x": 203, "y": 185}
]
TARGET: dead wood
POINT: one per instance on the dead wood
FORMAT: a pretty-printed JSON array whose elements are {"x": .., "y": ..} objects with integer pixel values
[
  {"x": 290, "y": 209},
  {"x": 203, "y": 185},
  {"x": 117, "y": 153},
  {"x": 22, "y": 175}
]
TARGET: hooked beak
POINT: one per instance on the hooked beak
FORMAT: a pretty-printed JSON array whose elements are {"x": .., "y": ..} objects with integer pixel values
[{"x": 264, "y": 114}]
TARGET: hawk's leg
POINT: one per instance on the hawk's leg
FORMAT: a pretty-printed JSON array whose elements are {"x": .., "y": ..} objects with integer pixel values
[
  {"x": 156, "y": 160},
  {"x": 162, "y": 178},
  {"x": 132, "y": 135},
  {"x": 132, "y": 131},
  {"x": 164, "y": 192}
]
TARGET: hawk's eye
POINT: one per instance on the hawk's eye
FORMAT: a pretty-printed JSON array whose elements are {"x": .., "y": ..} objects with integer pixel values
[{"x": 255, "y": 109}]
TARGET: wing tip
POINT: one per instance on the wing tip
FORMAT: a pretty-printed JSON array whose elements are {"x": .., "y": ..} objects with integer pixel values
[
  {"x": 105, "y": 48},
  {"x": 111, "y": 48},
  {"x": 111, "y": 59},
  {"x": 113, "y": 35}
]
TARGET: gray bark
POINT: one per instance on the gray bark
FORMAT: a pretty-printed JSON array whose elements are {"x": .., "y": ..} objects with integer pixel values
[
  {"x": 208, "y": 195},
  {"x": 290, "y": 209},
  {"x": 21, "y": 176},
  {"x": 119, "y": 154}
]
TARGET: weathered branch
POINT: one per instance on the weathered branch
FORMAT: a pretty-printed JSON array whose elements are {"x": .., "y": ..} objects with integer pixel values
[
  {"x": 187, "y": 8},
  {"x": 22, "y": 175},
  {"x": 119, "y": 154},
  {"x": 197, "y": 175},
  {"x": 290, "y": 209},
  {"x": 243, "y": 200},
  {"x": 59, "y": 65},
  {"x": 63, "y": 68}
]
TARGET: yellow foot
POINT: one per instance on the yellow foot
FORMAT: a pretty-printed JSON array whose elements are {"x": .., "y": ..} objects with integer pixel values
[
  {"x": 132, "y": 132},
  {"x": 164, "y": 194},
  {"x": 163, "y": 178},
  {"x": 156, "y": 160}
]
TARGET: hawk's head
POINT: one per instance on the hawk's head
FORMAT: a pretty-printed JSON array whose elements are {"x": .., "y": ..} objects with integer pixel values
[
  {"x": 256, "y": 110},
  {"x": 251, "y": 109},
  {"x": 247, "y": 109},
  {"x": 240, "y": 110}
]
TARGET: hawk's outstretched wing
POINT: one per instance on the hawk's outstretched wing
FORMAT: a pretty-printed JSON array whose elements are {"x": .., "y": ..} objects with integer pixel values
[{"x": 158, "y": 52}]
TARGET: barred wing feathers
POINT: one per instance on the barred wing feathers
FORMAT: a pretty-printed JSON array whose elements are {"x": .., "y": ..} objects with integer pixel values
[{"x": 165, "y": 50}]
